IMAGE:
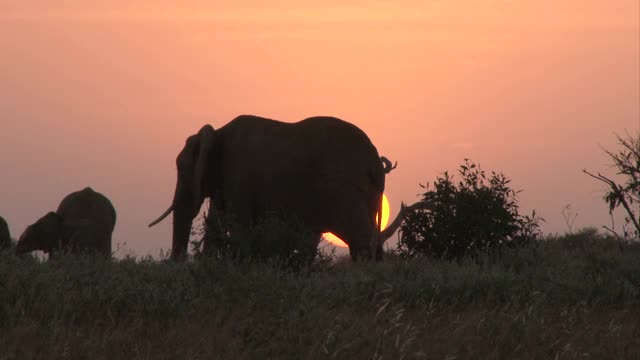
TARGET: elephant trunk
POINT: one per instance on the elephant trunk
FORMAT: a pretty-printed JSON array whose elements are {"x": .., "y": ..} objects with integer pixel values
[
  {"x": 181, "y": 231},
  {"x": 182, "y": 221},
  {"x": 184, "y": 211},
  {"x": 20, "y": 248}
]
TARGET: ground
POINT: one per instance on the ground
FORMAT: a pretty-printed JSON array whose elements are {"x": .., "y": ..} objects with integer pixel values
[{"x": 563, "y": 298}]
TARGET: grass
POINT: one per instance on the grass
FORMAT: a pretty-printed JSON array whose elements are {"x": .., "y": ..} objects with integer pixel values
[{"x": 568, "y": 297}]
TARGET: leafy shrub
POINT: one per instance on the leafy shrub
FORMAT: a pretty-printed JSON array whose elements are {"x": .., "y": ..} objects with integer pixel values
[{"x": 479, "y": 214}]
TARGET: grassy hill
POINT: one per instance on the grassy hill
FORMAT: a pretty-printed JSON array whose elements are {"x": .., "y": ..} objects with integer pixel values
[{"x": 566, "y": 297}]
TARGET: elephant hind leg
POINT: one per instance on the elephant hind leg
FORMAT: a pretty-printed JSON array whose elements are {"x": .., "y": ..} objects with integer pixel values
[
  {"x": 357, "y": 229},
  {"x": 359, "y": 241}
]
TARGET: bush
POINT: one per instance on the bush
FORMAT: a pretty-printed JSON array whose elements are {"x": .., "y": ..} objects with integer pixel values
[{"x": 477, "y": 215}]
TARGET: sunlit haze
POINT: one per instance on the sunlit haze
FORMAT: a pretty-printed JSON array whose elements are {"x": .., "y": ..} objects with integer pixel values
[{"x": 104, "y": 94}]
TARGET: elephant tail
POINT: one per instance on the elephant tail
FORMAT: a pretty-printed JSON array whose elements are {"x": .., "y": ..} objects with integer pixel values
[{"x": 386, "y": 164}]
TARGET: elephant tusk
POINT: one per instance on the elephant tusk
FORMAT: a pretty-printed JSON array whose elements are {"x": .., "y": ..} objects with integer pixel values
[
  {"x": 386, "y": 164},
  {"x": 404, "y": 209},
  {"x": 164, "y": 215}
]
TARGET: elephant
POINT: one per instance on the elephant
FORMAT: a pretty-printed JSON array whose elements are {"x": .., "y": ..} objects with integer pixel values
[
  {"x": 83, "y": 223},
  {"x": 323, "y": 171},
  {"x": 5, "y": 236}
]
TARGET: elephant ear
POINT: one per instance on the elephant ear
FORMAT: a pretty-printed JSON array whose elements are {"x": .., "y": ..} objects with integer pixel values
[{"x": 205, "y": 139}]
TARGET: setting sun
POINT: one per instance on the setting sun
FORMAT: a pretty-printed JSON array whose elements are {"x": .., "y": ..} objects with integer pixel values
[{"x": 385, "y": 220}]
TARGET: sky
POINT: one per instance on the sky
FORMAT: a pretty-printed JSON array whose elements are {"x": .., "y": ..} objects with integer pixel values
[{"x": 104, "y": 93}]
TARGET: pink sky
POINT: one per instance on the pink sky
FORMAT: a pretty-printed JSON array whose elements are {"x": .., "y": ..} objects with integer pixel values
[{"x": 103, "y": 94}]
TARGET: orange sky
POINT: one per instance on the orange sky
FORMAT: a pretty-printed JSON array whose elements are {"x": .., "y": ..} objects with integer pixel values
[{"x": 104, "y": 93}]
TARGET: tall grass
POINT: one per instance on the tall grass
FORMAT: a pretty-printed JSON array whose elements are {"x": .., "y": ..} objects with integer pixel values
[{"x": 565, "y": 297}]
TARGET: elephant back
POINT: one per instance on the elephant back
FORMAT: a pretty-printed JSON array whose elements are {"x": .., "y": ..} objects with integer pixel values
[
  {"x": 88, "y": 220},
  {"x": 86, "y": 206},
  {"x": 319, "y": 146},
  {"x": 348, "y": 148}
]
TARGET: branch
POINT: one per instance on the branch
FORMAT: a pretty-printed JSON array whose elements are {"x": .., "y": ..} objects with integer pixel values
[
  {"x": 600, "y": 177},
  {"x": 616, "y": 190},
  {"x": 617, "y": 236}
]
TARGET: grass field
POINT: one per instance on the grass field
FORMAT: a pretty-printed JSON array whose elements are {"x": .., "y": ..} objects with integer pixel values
[{"x": 569, "y": 297}]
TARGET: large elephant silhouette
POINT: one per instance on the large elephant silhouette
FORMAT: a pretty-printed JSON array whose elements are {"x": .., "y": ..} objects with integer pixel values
[
  {"x": 322, "y": 171},
  {"x": 83, "y": 223}
]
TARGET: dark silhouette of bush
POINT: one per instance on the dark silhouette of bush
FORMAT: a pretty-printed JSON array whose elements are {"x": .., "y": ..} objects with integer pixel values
[{"x": 477, "y": 215}]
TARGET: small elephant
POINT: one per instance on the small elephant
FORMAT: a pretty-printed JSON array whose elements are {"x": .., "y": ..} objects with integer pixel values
[
  {"x": 83, "y": 223},
  {"x": 5, "y": 236},
  {"x": 322, "y": 170}
]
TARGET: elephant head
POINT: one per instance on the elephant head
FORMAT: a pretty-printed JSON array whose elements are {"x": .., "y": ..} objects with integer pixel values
[
  {"x": 322, "y": 170},
  {"x": 190, "y": 192},
  {"x": 45, "y": 235}
]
